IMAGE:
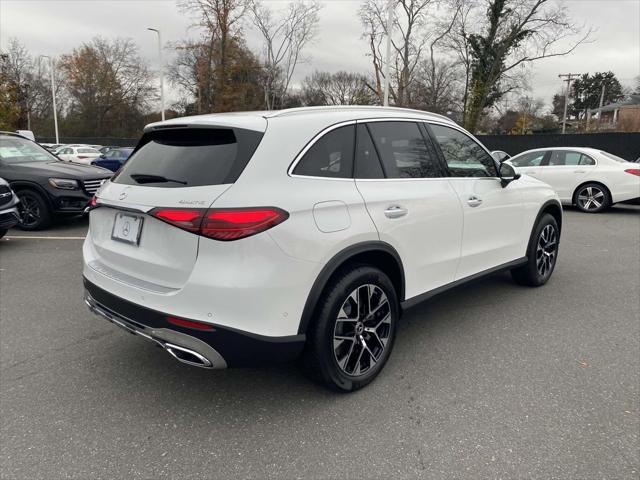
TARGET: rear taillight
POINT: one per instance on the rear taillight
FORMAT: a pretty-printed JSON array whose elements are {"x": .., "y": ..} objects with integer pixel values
[
  {"x": 92, "y": 205},
  {"x": 222, "y": 224},
  {"x": 187, "y": 219},
  {"x": 633, "y": 171}
]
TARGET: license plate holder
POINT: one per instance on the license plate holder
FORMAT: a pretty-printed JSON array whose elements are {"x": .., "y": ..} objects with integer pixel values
[{"x": 127, "y": 228}]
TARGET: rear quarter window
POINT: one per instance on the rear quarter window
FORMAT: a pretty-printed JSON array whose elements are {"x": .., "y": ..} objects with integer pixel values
[{"x": 190, "y": 157}]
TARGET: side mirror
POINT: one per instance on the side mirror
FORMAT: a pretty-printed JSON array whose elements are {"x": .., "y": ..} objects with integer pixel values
[{"x": 507, "y": 174}]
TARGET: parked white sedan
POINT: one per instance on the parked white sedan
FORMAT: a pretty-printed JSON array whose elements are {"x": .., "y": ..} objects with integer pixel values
[
  {"x": 78, "y": 154},
  {"x": 588, "y": 178}
]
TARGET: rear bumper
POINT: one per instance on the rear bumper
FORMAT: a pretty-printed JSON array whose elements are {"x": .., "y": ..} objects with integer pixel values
[{"x": 219, "y": 348}]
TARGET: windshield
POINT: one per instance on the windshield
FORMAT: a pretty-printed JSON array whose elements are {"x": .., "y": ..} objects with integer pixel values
[
  {"x": 20, "y": 150},
  {"x": 614, "y": 157}
]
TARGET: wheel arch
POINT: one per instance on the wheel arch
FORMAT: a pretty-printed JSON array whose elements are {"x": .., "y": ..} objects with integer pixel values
[
  {"x": 574, "y": 195},
  {"x": 20, "y": 185},
  {"x": 375, "y": 253},
  {"x": 554, "y": 208}
]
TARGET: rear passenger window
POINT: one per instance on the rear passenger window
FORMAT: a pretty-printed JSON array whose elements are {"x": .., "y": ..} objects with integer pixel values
[
  {"x": 331, "y": 156},
  {"x": 572, "y": 159},
  {"x": 367, "y": 160},
  {"x": 464, "y": 156},
  {"x": 189, "y": 157},
  {"x": 404, "y": 151}
]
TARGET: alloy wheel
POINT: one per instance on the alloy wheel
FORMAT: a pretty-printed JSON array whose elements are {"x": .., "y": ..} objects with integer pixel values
[
  {"x": 591, "y": 198},
  {"x": 546, "y": 250},
  {"x": 362, "y": 330},
  {"x": 29, "y": 210}
]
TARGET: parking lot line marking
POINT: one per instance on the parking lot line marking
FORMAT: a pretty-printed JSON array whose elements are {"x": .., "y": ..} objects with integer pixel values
[{"x": 36, "y": 237}]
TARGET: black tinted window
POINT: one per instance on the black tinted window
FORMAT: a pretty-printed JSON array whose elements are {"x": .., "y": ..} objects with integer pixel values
[
  {"x": 367, "y": 160},
  {"x": 464, "y": 156},
  {"x": 190, "y": 157},
  {"x": 403, "y": 150},
  {"x": 330, "y": 156}
]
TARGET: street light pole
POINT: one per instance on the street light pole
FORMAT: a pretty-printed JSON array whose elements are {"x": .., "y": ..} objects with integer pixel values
[
  {"x": 390, "y": 10},
  {"x": 53, "y": 97},
  {"x": 161, "y": 70}
]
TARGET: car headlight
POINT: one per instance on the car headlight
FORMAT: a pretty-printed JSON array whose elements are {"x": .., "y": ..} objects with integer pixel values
[{"x": 64, "y": 183}]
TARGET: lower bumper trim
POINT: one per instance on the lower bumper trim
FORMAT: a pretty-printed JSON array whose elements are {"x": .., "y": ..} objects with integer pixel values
[
  {"x": 221, "y": 345},
  {"x": 207, "y": 357}
]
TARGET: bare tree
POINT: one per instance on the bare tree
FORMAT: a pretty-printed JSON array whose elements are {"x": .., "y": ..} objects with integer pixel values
[
  {"x": 512, "y": 34},
  {"x": 340, "y": 88},
  {"x": 285, "y": 34},
  {"x": 109, "y": 87},
  {"x": 408, "y": 41},
  {"x": 221, "y": 21}
]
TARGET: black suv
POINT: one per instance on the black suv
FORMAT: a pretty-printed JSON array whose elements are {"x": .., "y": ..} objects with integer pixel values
[{"x": 45, "y": 185}]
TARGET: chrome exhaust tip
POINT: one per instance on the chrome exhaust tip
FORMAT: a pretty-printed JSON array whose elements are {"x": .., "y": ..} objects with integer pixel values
[{"x": 187, "y": 356}]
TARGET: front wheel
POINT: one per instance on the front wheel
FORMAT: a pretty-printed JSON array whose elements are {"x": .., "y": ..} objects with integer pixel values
[
  {"x": 542, "y": 254},
  {"x": 353, "y": 334},
  {"x": 33, "y": 211}
]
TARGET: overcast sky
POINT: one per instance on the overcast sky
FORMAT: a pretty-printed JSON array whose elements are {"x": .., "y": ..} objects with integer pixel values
[{"x": 54, "y": 27}]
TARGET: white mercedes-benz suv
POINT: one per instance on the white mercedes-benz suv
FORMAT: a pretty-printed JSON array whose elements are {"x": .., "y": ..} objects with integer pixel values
[{"x": 246, "y": 238}]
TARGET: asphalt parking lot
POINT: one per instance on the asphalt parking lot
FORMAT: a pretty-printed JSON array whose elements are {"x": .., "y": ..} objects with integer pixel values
[{"x": 490, "y": 380}]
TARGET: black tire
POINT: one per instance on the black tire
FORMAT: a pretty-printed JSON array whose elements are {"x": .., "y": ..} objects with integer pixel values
[
  {"x": 3, "y": 232},
  {"x": 34, "y": 211},
  {"x": 592, "y": 198},
  {"x": 542, "y": 254},
  {"x": 323, "y": 351}
]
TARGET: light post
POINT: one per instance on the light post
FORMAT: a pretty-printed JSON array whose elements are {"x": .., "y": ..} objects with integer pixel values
[
  {"x": 161, "y": 70},
  {"x": 53, "y": 96},
  {"x": 390, "y": 11}
]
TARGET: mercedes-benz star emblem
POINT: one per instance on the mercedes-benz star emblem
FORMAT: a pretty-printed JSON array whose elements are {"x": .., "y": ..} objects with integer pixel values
[{"x": 126, "y": 228}]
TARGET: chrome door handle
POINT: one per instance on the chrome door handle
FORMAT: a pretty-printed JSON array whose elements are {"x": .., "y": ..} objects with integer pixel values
[
  {"x": 474, "y": 201},
  {"x": 395, "y": 211},
  {"x": 579, "y": 171}
]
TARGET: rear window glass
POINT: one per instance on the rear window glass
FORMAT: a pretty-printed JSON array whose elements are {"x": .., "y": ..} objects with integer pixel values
[
  {"x": 189, "y": 157},
  {"x": 87, "y": 150},
  {"x": 331, "y": 156}
]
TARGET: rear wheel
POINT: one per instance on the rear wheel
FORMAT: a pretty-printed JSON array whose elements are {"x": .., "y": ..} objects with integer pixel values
[
  {"x": 33, "y": 210},
  {"x": 354, "y": 331},
  {"x": 592, "y": 198},
  {"x": 541, "y": 255},
  {"x": 3, "y": 232}
]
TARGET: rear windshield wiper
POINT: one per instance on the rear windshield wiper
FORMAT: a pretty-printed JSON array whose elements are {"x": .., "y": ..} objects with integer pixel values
[{"x": 146, "y": 178}]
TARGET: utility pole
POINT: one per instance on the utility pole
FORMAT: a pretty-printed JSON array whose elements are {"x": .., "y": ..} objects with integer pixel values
[
  {"x": 53, "y": 96},
  {"x": 161, "y": 70},
  {"x": 604, "y": 87},
  {"x": 569, "y": 78},
  {"x": 390, "y": 11}
]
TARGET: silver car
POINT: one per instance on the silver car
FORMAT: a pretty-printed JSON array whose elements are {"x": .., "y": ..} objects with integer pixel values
[{"x": 8, "y": 207}]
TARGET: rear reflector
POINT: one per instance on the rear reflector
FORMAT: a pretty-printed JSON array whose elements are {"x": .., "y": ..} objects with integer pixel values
[
  {"x": 181, "y": 322},
  {"x": 633, "y": 171},
  {"x": 222, "y": 224}
]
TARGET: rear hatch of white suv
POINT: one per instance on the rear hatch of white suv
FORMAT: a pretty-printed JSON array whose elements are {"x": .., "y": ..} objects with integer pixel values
[{"x": 174, "y": 175}]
